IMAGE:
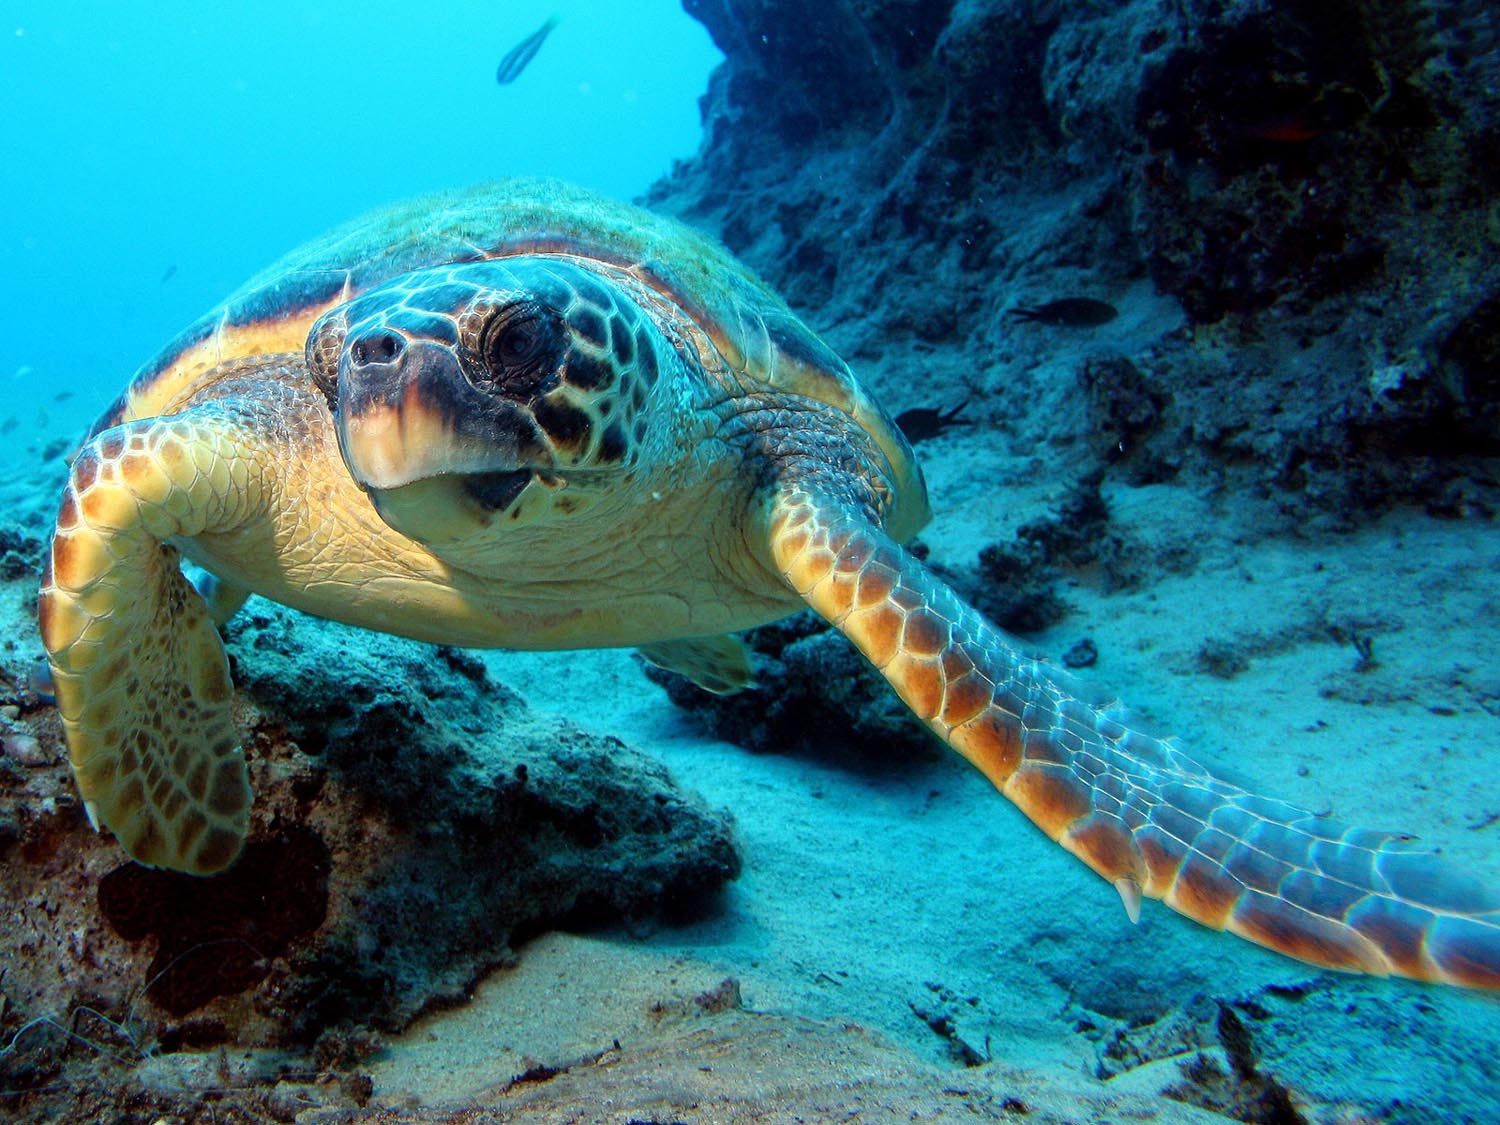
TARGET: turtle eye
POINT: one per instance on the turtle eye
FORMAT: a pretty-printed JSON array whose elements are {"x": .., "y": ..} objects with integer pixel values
[
  {"x": 519, "y": 345},
  {"x": 324, "y": 342}
]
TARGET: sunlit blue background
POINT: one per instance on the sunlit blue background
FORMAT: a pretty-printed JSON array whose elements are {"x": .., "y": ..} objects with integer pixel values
[{"x": 155, "y": 154}]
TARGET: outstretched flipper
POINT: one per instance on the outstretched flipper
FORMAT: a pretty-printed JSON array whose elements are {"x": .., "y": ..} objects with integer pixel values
[
  {"x": 141, "y": 677},
  {"x": 718, "y": 664},
  {"x": 1133, "y": 807}
]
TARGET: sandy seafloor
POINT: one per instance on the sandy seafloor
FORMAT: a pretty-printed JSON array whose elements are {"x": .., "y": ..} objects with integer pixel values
[{"x": 870, "y": 895}]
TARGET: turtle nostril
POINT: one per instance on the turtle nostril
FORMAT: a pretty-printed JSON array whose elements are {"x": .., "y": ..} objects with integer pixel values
[{"x": 376, "y": 347}]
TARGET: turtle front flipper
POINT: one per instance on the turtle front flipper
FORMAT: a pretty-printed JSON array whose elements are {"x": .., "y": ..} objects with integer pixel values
[
  {"x": 142, "y": 681},
  {"x": 1133, "y": 807}
]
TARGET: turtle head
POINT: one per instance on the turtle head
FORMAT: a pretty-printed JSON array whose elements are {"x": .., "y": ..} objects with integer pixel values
[{"x": 488, "y": 394}]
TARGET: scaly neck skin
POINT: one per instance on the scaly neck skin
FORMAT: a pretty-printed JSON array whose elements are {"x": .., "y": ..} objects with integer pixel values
[{"x": 799, "y": 442}]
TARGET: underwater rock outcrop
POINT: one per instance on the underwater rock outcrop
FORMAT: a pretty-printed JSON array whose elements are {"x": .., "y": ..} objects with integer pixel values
[
  {"x": 1289, "y": 199},
  {"x": 413, "y": 821}
]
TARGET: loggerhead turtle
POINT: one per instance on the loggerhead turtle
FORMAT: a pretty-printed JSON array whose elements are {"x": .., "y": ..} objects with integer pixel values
[{"x": 527, "y": 416}]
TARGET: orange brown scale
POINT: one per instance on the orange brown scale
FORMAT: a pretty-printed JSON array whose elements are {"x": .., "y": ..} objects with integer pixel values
[
  {"x": 1391, "y": 928},
  {"x": 967, "y": 696},
  {"x": 874, "y": 586},
  {"x": 46, "y": 608},
  {"x": 1107, "y": 848},
  {"x": 1049, "y": 796},
  {"x": 876, "y": 632},
  {"x": 839, "y": 596},
  {"x": 135, "y": 464},
  {"x": 96, "y": 506},
  {"x": 85, "y": 471},
  {"x": 1160, "y": 863},
  {"x": 1201, "y": 891},
  {"x": 919, "y": 683},
  {"x": 854, "y": 553},
  {"x": 955, "y": 661},
  {"x": 1301, "y": 934},
  {"x": 925, "y": 634},
  {"x": 812, "y": 567},
  {"x": 992, "y": 743},
  {"x": 67, "y": 514}
]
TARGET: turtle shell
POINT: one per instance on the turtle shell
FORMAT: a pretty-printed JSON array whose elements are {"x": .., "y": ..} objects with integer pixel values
[{"x": 754, "y": 330}]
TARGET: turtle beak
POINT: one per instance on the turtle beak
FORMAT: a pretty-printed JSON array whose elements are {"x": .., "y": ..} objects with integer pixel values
[
  {"x": 437, "y": 458},
  {"x": 406, "y": 413}
]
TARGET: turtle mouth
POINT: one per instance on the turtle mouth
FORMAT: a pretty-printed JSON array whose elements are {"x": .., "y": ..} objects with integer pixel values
[
  {"x": 451, "y": 506},
  {"x": 494, "y": 492}
]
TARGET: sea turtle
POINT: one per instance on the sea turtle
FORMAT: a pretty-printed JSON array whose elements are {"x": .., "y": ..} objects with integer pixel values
[{"x": 528, "y": 416}]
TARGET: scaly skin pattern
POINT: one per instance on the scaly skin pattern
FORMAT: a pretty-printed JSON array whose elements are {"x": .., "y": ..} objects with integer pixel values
[
  {"x": 1134, "y": 808},
  {"x": 141, "y": 679}
]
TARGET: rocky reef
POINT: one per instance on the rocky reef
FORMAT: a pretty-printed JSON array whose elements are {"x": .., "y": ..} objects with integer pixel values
[
  {"x": 1277, "y": 219},
  {"x": 1290, "y": 200}
]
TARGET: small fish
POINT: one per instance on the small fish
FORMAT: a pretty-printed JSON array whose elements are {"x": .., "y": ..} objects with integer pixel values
[
  {"x": 169, "y": 273},
  {"x": 517, "y": 57},
  {"x": 8, "y": 425},
  {"x": 923, "y": 422},
  {"x": 1068, "y": 312},
  {"x": 62, "y": 396}
]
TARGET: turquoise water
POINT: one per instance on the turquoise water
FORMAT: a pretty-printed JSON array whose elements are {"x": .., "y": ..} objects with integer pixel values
[{"x": 158, "y": 153}]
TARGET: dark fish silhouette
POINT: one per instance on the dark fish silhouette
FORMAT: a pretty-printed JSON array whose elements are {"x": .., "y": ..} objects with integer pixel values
[
  {"x": 1068, "y": 312},
  {"x": 923, "y": 422},
  {"x": 62, "y": 396},
  {"x": 168, "y": 274},
  {"x": 517, "y": 57}
]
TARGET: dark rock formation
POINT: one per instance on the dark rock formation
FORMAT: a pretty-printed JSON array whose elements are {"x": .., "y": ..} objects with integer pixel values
[
  {"x": 413, "y": 821},
  {"x": 813, "y": 695},
  {"x": 1288, "y": 202}
]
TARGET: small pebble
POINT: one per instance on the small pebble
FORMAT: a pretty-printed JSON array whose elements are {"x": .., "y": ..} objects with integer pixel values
[
  {"x": 24, "y": 749},
  {"x": 1085, "y": 654}
]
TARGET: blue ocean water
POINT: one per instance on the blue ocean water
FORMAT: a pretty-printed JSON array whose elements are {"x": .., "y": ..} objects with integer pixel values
[{"x": 159, "y": 153}]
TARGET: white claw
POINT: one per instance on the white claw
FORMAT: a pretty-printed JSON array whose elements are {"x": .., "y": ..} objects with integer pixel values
[{"x": 1130, "y": 895}]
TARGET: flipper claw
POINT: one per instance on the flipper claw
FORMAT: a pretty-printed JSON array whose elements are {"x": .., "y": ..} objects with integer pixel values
[{"x": 1130, "y": 895}]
